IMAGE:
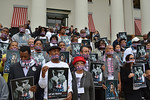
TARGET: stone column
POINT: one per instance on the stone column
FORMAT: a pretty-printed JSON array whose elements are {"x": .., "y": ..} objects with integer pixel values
[
  {"x": 128, "y": 16},
  {"x": 38, "y": 13},
  {"x": 117, "y": 18},
  {"x": 81, "y": 14},
  {"x": 145, "y": 16}
]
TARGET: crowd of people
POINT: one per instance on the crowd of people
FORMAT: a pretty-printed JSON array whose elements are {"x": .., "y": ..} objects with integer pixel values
[{"x": 40, "y": 51}]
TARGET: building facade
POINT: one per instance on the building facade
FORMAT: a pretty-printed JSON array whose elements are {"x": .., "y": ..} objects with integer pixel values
[{"x": 107, "y": 16}]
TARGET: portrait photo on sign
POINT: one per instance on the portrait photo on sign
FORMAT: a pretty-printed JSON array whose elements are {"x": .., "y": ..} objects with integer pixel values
[
  {"x": 111, "y": 91},
  {"x": 138, "y": 79},
  {"x": 96, "y": 70},
  {"x": 3, "y": 47},
  {"x": 64, "y": 56},
  {"x": 44, "y": 44},
  {"x": 20, "y": 88},
  {"x": 94, "y": 57},
  {"x": 75, "y": 49},
  {"x": 38, "y": 57},
  {"x": 66, "y": 39},
  {"x": 138, "y": 71},
  {"x": 12, "y": 57},
  {"x": 140, "y": 54},
  {"x": 85, "y": 42},
  {"x": 105, "y": 40},
  {"x": 123, "y": 35},
  {"x": 57, "y": 83}
]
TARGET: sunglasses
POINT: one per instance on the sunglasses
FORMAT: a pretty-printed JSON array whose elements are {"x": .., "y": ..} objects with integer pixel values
[{"x": 131, "y": 58}]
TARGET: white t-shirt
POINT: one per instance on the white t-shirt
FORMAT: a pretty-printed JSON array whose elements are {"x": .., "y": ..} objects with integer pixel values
[
  {"x": 86, "y": 68},
  {"x": 27, "y": 31},
  {"x": 7, "y": 41},
  {"x": 43, "y": 81},
  {"x": 48, "y": 35},
  {"x": 78, "y": 78}
]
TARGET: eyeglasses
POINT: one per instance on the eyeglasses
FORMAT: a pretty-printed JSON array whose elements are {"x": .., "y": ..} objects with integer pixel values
[{"x": 131, "y": 58}]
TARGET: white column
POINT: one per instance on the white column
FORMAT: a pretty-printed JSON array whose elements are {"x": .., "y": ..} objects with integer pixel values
[
  {"x": 128, "y": 16},
  {"x": 117, "y": 18},
  {"x": 81, "y": 14},
  {"x": 38, "y": 13},
  {"x": 145, "y": 16}
]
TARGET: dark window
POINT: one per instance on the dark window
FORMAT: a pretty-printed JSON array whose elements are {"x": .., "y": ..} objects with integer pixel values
[
  {"x": 60, "y": 19},
  {"x": 89, "y": 0},
  {"x": 136, "y": 4}
]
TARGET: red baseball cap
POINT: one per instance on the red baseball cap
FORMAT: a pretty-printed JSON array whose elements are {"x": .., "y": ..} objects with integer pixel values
[{"x": 78, "y": 58}]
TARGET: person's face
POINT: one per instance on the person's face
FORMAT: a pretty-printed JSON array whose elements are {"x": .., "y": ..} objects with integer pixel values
[
  {"x": 139, "y": 69},
  {"x": 62, "y": 45},
  {"x": 43, "y": 30},
  {"x": 93, "y": 56},
  {"x": 54, "y": 52},
  {"x": 76, "y": 30},
  {"x": 54, "y": 38},
  {"x": 24, "y": 84},
  {"x": 13, "y": 45},
  {"x": 98, "y": 67},
  {"x": 5, "y": 31},
  {"x": 31, "y": 41},
  {"x": 75, "y": 40},
  {"x": 83, "y": 32},
  {"x": 112, "y": 85},
  {"x": 131, "y": 58},
  {"x": 13, "y": 56},
  {"x": 0, "y": 25},
  {"x": 96, "y": 32},
  {"x": 79, "y": 63},
  {"x": 118, "y": 39},
  {"x": 109, "y": 49},
  {"x": 22, "y": 27},
  {"x": 63, "y": 31},
  {"x": 148, "y": 74},
  {"x": 145, "y": 37},
  {"x": 123, "y": 42},
  {"x": 28, "y": 23},
  {"x": 135, "y": 44},
  {"x": 101, "y": 43},
  {"x": 38, "y": 43},
  {"x": 85, "y": 51},
  {"x": 148, "y": 45},
  {"x": 24, "y": 55},
  {"x": 62, "y": 57},
  {"x": 60, "y": 73},
  {"x": 117, "y": 47}
]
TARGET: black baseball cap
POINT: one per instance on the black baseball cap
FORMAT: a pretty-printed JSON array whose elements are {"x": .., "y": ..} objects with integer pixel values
[{"x": 54, "y": 47}]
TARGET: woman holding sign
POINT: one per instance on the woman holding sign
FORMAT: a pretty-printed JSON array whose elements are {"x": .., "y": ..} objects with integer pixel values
[
  {"x": 82, "y": 83},
  {"x": 127, "y": 80}
]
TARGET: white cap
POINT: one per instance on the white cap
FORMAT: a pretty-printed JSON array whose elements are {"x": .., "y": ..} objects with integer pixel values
[{"x": 135, "y": 39}]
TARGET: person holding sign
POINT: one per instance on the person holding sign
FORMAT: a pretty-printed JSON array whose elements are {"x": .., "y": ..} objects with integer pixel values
[
  {"x": 82, "y": 84},
  {"x": 127, "y": 80},
  {"x": 54, "y": 52},
  {"x": 4, "y": 93},
  {"x": 24, "y": 68}
]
